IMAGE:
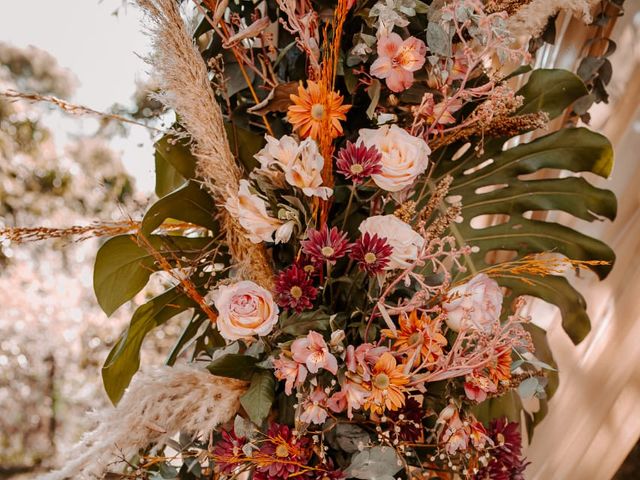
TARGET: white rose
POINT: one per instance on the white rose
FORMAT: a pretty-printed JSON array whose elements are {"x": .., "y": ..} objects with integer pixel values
[
  {"x": 251, "y": 212},
  {"x": 405, "y": 241},
  {"x": 244, "y": 310},
  {"x": 404, "y": 156},
  {"x": 305, "y": 172},
  {"x": 475, "y": 304}
]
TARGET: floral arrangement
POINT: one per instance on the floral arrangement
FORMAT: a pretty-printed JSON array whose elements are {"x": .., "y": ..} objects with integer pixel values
[{"x": 344, "y": 212}]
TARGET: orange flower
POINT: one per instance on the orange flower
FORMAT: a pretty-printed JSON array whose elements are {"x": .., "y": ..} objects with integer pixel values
[
  {"x": 500, "y": 368},
  {"x": 387, "y": 382},
  {"x": 418, "y": 332},
  {"x": 312, "y": 112}
]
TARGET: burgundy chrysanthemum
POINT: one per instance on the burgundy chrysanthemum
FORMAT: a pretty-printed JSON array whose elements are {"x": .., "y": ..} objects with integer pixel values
[
  {"x": 294, "y": 289},
  {"x": 506, "y": 457},
  {"x": 282, "y": 455},
  {"x": 330, "y": 472},
  {"x": 357, "y": 162},
  {"x": 227, "y": 452},
  {"x": 326, "y": 245},
  {"x": 372, "y": 253},
  {"x": 407, "y": 421}
]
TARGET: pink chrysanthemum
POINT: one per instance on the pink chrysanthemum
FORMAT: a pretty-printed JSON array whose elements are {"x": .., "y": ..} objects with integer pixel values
[
  {"x": 326, "y": 245},
  {"x": 282, "y": 455},
  {"x": 506, "y": 457},
  {"x": 294, "y": 289},
  {"x": 372, "y": 253},
  {"x": 228, "y": 453},
  {"x": 358, "y": 162}
]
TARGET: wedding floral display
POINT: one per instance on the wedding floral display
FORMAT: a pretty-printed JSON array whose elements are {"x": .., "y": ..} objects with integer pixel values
[{"x": 354, "y": 213}]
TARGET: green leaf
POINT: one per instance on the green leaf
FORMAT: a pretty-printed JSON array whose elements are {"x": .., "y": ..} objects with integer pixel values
[
  {"x": 123, "y": 267},
  {"x": 377, "y": 463},
  {"x": 124, "y": 359},
  {"x": 189, "y": 203},
  {"x": 244, "y": 144},
  {"x": 551, "y": 91},
  {"x": 186, "y": 336},
  {"x": 174, "y": 165},
  {"x": 492, "y": 184},
  {"x": 302, "y": 323},
  {"x": 234, "y": 365},
  {"x": 258, "y": 399}
]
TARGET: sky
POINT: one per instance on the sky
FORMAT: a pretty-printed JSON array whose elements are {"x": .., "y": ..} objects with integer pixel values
[{"x": 103, "y": 51}]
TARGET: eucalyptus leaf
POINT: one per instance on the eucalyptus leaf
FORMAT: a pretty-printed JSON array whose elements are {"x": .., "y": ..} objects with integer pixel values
[{"x": 377, "y": 463}]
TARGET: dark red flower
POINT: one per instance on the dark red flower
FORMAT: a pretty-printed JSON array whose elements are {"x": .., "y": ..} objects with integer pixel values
[
  {"x": 506, "y": 461},
  {"x": 228, "y": 453},
  {"x": 294, "y": 289},
  {"x": 407, "y": 421},
  {"x": 330, "y": 472},
  {"x": 357, "y": 162},
  {"x": 281, "y": 455},
  {"x": 326, "y": 245},
  {"x": 372, "y": 253}
]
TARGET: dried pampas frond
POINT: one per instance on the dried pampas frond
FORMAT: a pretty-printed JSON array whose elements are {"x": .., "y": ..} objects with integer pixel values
[
  {"x": 159, "y": 403},
  {"x": 184, "y": 82},
  {"x": 531, "y": 19}
]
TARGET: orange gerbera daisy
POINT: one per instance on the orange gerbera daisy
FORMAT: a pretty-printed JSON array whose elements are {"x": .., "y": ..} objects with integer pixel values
[
  {"x": 418, "y": 332},
  {"x": 387, "y": 382},
  {"x": 500, "y": 368},
  {"x": 311, "y": 112}
]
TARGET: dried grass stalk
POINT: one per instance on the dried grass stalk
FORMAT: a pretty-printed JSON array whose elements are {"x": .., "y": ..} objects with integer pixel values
[
  {"x": 185, "y": 86},
  {"x": 159, "y": 404},
  {"x": 530, "y": 19}
]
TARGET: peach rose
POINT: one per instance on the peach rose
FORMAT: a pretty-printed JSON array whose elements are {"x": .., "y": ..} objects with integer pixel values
[
  {"x": 404, "y": 157},
  {"x": 405, "y": 241},
  {"x": 244, "y": 310},
  {"x": 475, "y": 304},
  {"x": 251, "y": 212}
]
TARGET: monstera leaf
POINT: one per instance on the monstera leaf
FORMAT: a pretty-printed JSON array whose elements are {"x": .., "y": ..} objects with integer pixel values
[{"x": 492, "y": 184}]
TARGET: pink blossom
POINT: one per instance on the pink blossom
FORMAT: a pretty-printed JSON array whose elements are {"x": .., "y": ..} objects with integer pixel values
[
  {"x": 358, "y": 360},
  {"x": 476, "y": 387},
  {"x": 315, "y": 407},
  {"x": 292, "y": 372},
  {"x": 351, "y": 397},
  {"x": 312, "y": 350},
  {"x": 398, "y": 59}
]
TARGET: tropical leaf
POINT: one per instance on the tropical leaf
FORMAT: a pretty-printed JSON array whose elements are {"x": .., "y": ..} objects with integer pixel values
[
  {"x": 123, "y": 267},
  {"x": 174, "y": 165},
  {"x": 124, "y": 359},
  {"x": 189, "y": 203},
  {"x": 492, "y": 184}
]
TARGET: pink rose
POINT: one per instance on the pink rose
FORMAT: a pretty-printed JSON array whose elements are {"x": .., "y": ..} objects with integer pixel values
[
  {"x": 244, "y": 310},
  {"x": 313, "y": 351},
  {"x": 475, "y": 304},
  {"x": 397, "y": 60}
]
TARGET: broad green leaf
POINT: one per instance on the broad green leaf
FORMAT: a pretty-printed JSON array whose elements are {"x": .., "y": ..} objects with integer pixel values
[
  {"x": 234, "y": 365},
  {"x": 186, "y": 336},
  {"x": 123, "y": 267},
  {"x": 258, "y": 399},
  {"x": 551, "y": 91},
  {"x": 244, "y": 144},
  {"x": 492, "y": 184},
  {"x": 189, "y": 203},
  {"x": 124, "y": 359},
  {"x": 174, "y": 165},
  {"x": 302, "y": 323}
]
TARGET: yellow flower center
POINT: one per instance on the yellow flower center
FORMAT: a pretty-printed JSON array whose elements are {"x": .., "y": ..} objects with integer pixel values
[
  {"x": 415, "y": 338},
  {"x": 356, "y": 168},
  {"x": 296, "y": 292},
  {"x": 370, "y": 258},
  {"x": 317, "y": 111},
  {"x": 381, "y": 381},
  {"x": 327, "y": 251},
  {"x": 308, "y": 268},
  {"x": 282, "y": 451}
]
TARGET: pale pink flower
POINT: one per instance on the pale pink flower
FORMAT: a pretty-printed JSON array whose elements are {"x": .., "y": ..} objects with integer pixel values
[
  {"x": 454, "y": 435},
  {"x": 244, "y": 309},
  {"x": 313, "y": 351},
  {"x": 352, "y": 397},
  {"x": 476, "y": 387},
  {"x": 314, "y": 408},
  {"x": 359, "y": 360},
  {"x": 293, "y": 373},
  {"x": 398, "y": 59},
  {"x": 475, "y": 304}
]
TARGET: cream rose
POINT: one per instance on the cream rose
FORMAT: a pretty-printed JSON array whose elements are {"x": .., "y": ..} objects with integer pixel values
[
  {"x": 244, "y": 310},
  {"x": 475, "y": 304},
  {"x": 405, "y": 241},
  {"x": 404, "y": 156},
  {"x": 251, "y": 212}
]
